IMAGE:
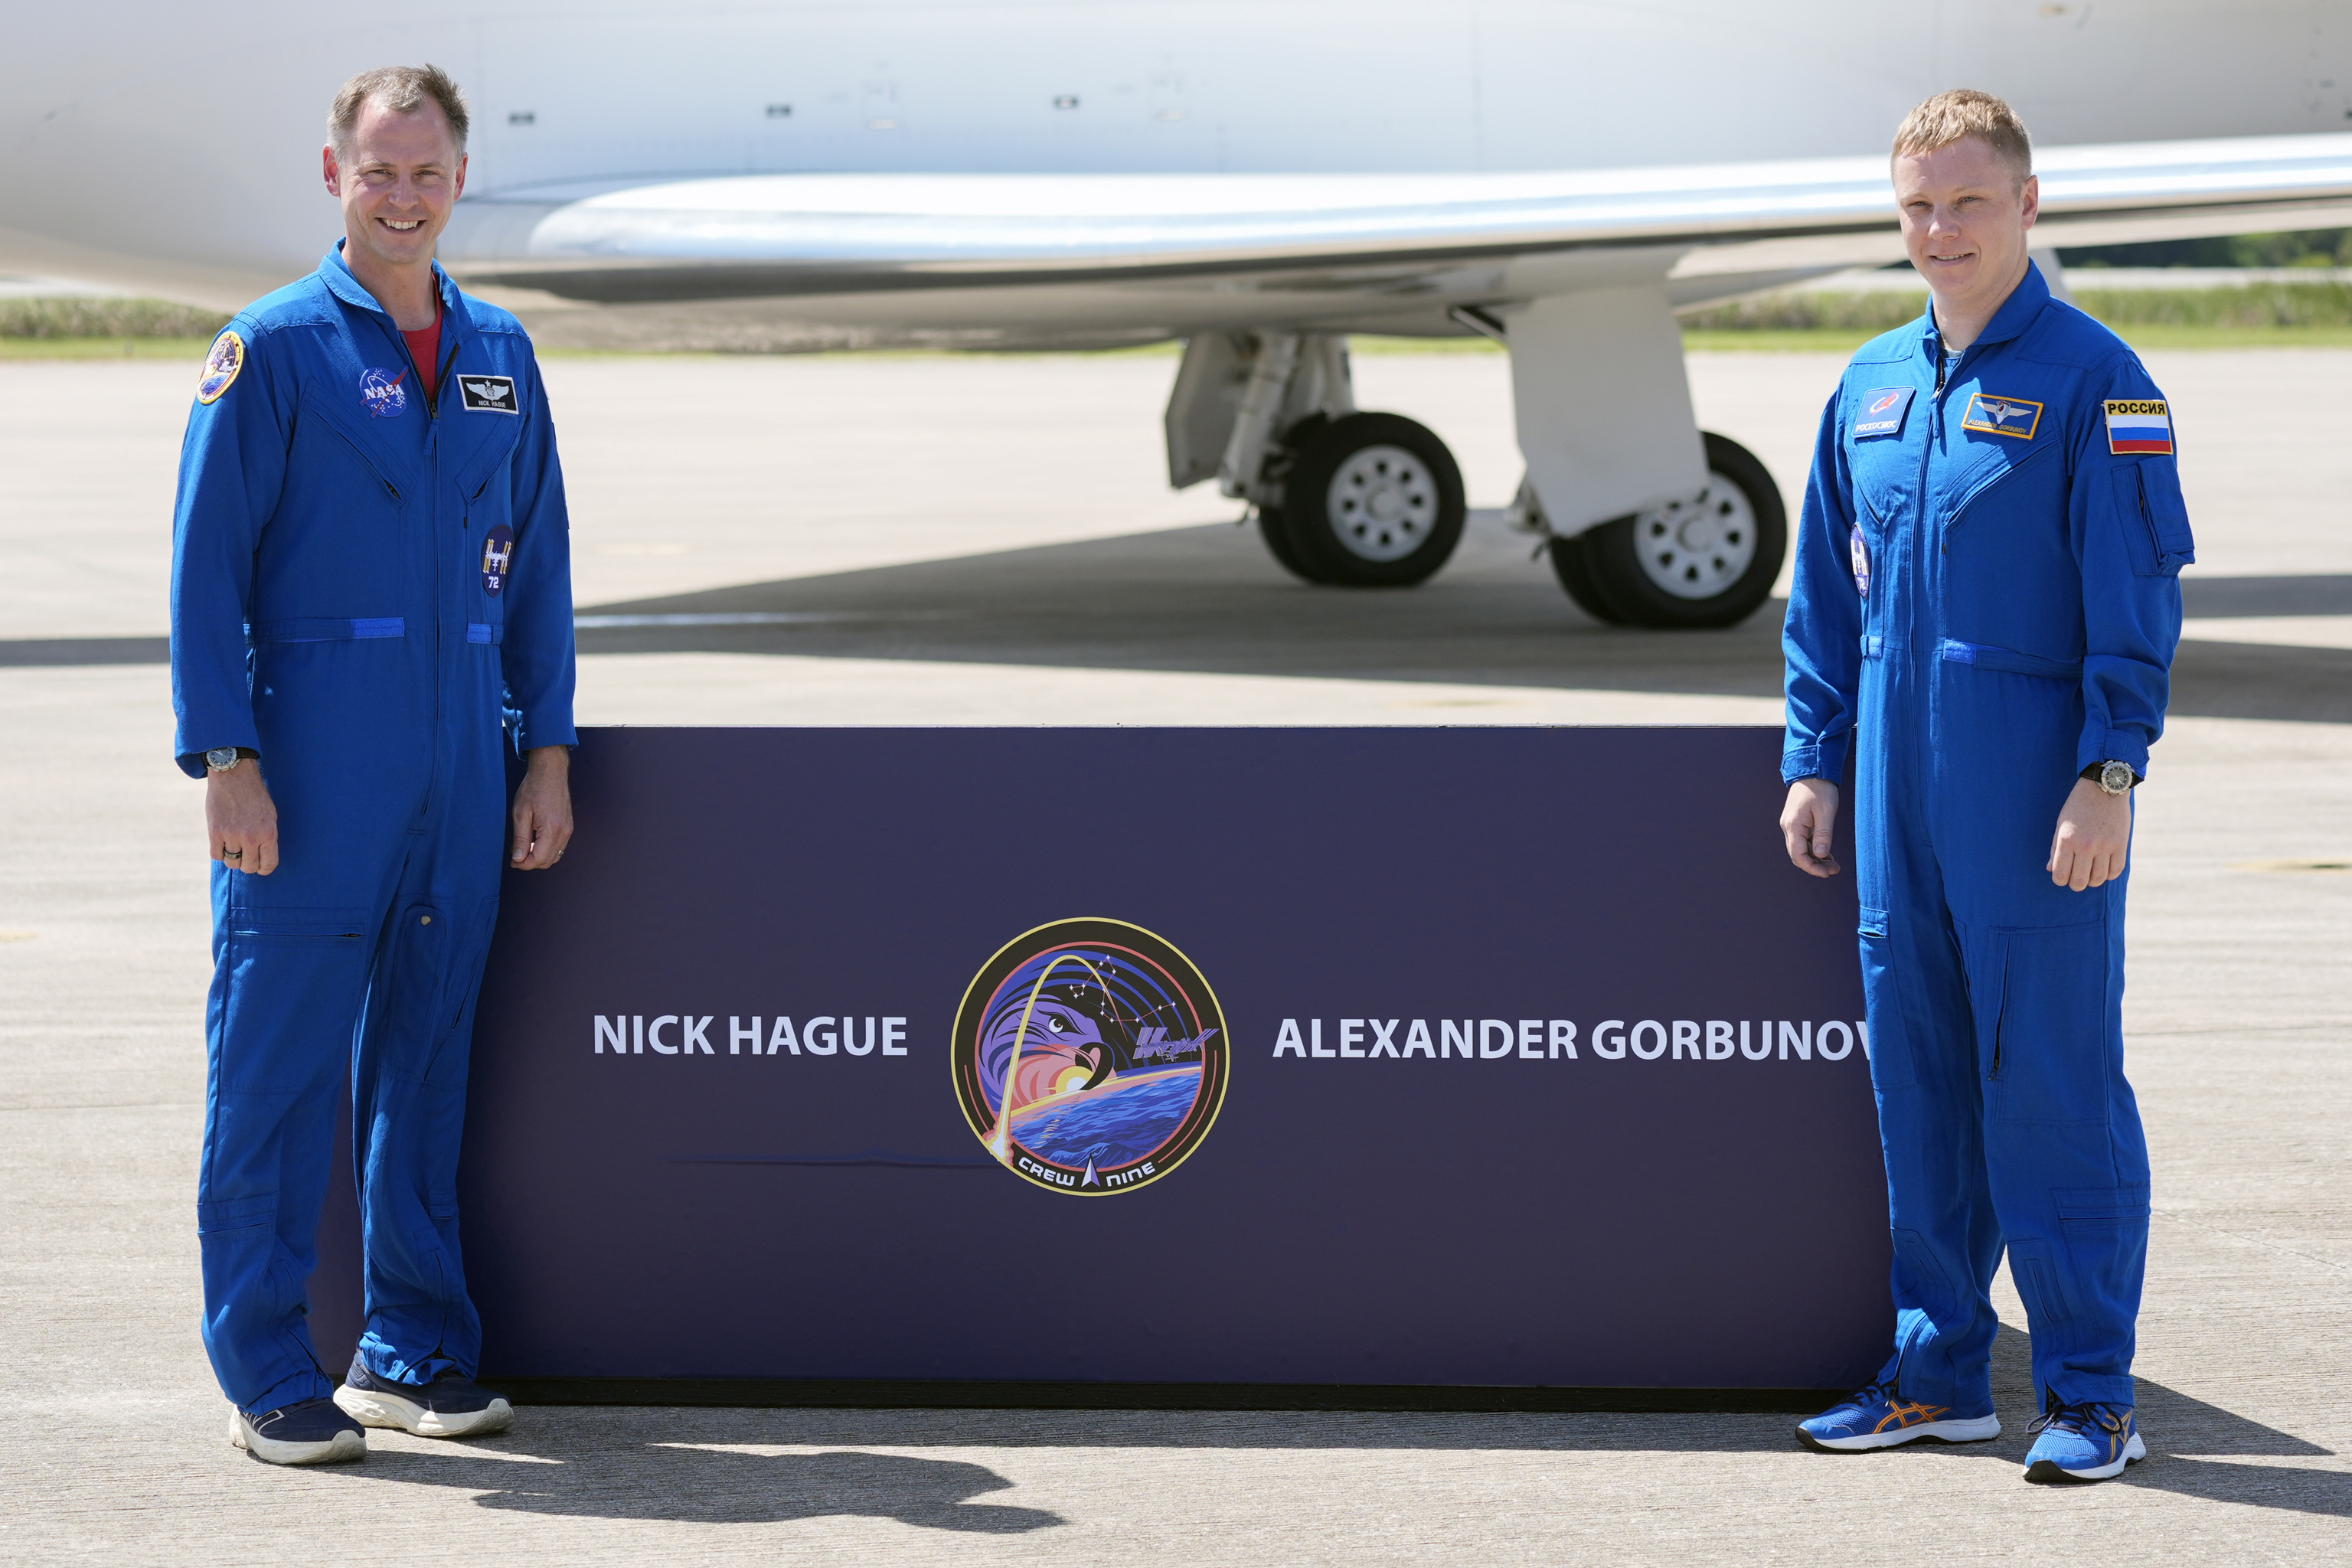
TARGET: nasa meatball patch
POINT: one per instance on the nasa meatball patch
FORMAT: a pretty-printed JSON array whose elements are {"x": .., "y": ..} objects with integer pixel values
[
  {"x": 489, "y": 394},
  {"x": 2013, "y": 417}
]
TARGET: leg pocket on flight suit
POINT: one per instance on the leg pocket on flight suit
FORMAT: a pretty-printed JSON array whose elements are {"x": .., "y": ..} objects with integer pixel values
[
  {"x": 416, "y": 989},
  {"x": 1892, "y": 1063},
  {"x": 2041, "y": 1004}
]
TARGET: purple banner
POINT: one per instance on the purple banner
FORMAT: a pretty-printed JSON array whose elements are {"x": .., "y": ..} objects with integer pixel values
[{"x": 1440, "y": 1057}]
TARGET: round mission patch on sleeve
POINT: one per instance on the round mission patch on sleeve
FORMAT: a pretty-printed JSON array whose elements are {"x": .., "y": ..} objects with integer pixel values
[{"x": 221, "y": 365}]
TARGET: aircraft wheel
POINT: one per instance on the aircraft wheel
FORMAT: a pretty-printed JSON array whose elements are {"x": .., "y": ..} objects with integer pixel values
[
  {"x": 1271, "y": 527},
  {"x": 1692, "y": 564},
  {"x": 1568, "y": 565},
  {"x": 1369, "y": 501}
]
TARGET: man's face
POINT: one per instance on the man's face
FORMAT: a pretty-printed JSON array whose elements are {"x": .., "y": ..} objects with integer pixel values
[
  {"x": 1965, "y": 218},
  {"x": 403, "y": 175}
]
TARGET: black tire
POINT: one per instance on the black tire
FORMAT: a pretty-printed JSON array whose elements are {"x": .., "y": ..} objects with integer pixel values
[
  {"x": 1331, "y": 462},
  {"x": 1568, "y": 565},
  {"x": 1270, "y": 524},
  {"x": 1612, "y": 559}
]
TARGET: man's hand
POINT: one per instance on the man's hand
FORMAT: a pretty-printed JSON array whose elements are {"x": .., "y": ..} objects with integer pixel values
[
  {"x": 2093, "y": 837},
  {"x": 542, "y": 810},
  {"x": 241, "y": 819},
  {"x": 1808, "y": 825}
]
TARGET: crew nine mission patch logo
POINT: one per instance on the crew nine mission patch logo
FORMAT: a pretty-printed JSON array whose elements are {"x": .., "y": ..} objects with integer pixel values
[
  {"x": 221, "y": 365},
  {"x": 1089, "y": 1056}
]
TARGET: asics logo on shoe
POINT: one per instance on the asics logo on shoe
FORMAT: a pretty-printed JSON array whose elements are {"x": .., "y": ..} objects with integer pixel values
[{"x": 1901, "y": 1415}]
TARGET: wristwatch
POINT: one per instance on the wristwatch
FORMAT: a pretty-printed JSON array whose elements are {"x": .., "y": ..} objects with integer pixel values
[
  {"x": 2115, "y": 778},
  {"x": 221, "y": 759}
]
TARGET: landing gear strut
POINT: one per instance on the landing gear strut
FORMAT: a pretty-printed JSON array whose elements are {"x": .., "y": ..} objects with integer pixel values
[{"x": 1343, "y": 498}]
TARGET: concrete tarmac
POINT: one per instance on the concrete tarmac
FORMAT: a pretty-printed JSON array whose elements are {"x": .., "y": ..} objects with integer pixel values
[{"x": 990, "y": 541}]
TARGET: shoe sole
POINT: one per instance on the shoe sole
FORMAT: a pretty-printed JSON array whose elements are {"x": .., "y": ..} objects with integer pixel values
[
  {"x": 372, "y": 1407},
  {"x": 341, "y": 1450},
  {"x": 2052, "y": 1470},
  {"x": 1983, "y": 1428}
]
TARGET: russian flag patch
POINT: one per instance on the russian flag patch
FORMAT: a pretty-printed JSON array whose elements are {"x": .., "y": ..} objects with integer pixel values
[{"x": 2138, "y": 427}]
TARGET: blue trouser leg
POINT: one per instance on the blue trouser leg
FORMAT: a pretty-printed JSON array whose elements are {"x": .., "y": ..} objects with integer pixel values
[
  {"x": 1923, "y": 1071},
  {"x": 287, "y": 984},
  {"x": 2068, "y": 1161},
  {"x": 408, "y": 1095},
  {"x": 1995, "y": 1002},
  {"x": 2063, "y": 1149}
]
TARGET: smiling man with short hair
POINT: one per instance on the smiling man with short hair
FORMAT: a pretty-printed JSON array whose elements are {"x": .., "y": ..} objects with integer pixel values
[
  {"x": 1987, "y": 602},
  {"x": 371, "y": 610}
]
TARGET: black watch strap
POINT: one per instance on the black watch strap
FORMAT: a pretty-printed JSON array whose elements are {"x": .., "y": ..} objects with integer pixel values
[{"x": 2093, "y": 772}]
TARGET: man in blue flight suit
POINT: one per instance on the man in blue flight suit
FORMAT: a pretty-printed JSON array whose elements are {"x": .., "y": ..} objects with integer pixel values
[
  {"x": 1987, "y": 599},
  {"x": 371, "y": 604}
]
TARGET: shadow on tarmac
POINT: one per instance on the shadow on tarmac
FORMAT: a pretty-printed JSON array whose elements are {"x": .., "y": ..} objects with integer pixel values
[
  {"x": 662, "y": 1480},
  {"x": 1208, "y": 600},
  {"x": 687, "y": 1465}
]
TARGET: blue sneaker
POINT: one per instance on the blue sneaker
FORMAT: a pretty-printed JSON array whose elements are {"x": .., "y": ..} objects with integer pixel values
[
  {"x": 2088, "y": 1442},
  {"x": 311, "y": 1432},
  {"x": 451, "y": 1405},
  {"x": 1878, "y": 1416}
]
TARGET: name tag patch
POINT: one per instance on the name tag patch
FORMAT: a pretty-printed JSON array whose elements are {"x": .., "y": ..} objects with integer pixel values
[
  {"x": 489, "y": 394},
  {"x": 2140, "y": 426},
  {"x": 1858, "y": 552},
  {"x": 1995, "y": 416},
  {"x": 1883, "y": 408}
]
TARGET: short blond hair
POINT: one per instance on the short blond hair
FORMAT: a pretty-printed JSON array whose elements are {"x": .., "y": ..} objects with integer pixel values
[
  {"x": 1963, "y": 113},
  {"x": 403, "y": 89}
]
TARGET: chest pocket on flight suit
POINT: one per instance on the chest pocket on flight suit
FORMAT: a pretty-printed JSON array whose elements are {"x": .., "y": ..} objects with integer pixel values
[
  {"x": 2150, "y": 492},
  {"x": 488, "y": 506}
]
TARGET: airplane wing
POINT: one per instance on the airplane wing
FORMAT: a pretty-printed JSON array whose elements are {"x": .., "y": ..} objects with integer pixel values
[{"x": 1146, "y": 254}]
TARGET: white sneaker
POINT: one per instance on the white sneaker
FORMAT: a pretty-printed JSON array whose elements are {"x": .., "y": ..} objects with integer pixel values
[
  {"x": 451, "y": 1405},
  {"x": 313, "y": 1432}
]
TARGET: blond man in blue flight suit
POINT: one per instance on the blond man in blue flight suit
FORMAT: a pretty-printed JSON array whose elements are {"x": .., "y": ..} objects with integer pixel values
[
  {"x": 371, "y": 612},
  {"x": 1986, "y": 607}
]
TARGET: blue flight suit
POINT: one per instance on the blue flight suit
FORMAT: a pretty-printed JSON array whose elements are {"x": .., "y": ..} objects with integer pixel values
[
  {"x": 373, "y": 590},
  {"x": 1986, "y": 594}
]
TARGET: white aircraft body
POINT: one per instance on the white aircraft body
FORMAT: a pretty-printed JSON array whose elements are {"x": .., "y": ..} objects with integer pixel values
[{"x": 1258, "y": 179}]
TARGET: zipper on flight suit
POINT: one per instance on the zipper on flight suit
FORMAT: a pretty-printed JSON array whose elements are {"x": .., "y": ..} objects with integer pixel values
[{"x": 433, "y": 450}]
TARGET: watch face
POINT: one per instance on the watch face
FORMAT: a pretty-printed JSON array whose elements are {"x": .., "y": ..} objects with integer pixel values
[
  {"x": 2116, "y": 778},
  {"x": 221, "y": 759}
]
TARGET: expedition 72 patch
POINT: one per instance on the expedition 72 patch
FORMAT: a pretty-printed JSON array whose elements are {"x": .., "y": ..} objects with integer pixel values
[
  {"x": 489, "y": 394},
  {"x": 2015, "y": 416},
  {"x": 2141, "y": 427}
]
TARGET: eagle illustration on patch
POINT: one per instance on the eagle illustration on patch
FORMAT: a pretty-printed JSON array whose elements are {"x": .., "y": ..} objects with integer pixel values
[
  {"x": 489, "y": 394},
  {"x": 1997, "y": 415},
  {"x": 2138, "y": 427}
]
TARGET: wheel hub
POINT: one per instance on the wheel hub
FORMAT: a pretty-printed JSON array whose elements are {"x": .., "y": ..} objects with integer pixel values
[
  {"x": 1697, "y": 548},
  {"x": 1383, "y": 503}
]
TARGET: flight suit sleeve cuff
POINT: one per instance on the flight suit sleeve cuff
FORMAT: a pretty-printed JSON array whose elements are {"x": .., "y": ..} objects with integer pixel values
[
  {"x": 531, "y": 733},
  {"x": 2112, "y": 746},
  {"x": 191, "y": 761},
  {"x": 1814, "y": 760}
]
